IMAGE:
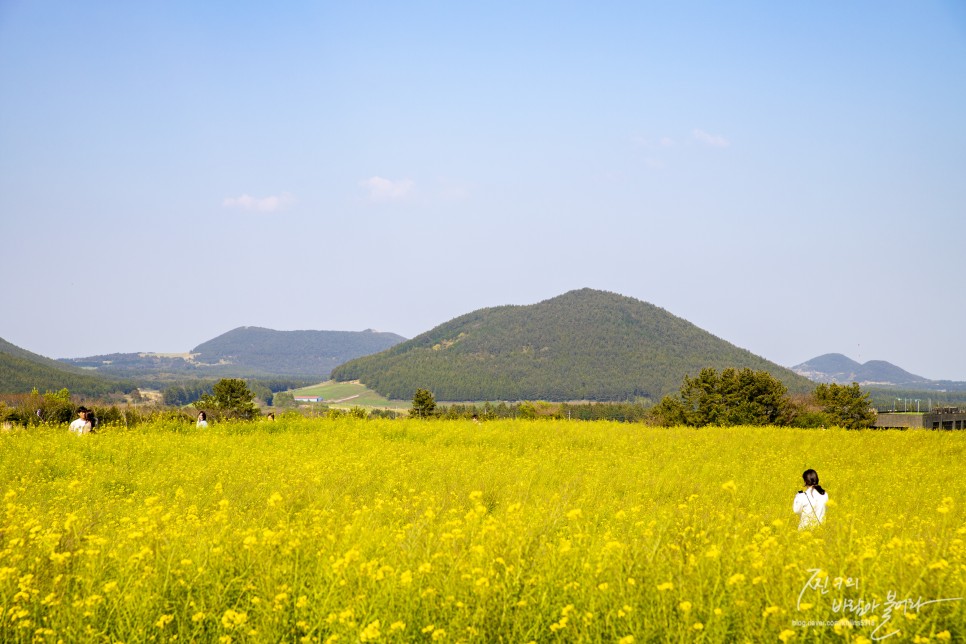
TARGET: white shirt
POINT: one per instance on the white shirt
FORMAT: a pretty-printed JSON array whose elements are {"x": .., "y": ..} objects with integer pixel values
[
  {"x": 811, "y": 505},
  {"x": 80, "y": 427}
]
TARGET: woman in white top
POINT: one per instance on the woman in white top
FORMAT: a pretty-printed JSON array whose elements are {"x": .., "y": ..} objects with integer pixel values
[
  {"x": 810, "y": 503},
  {"x": 202, "y": 420}
]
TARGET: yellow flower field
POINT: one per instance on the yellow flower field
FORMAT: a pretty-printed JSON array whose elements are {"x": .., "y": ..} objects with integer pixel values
[{"x": 351, "y": 530}]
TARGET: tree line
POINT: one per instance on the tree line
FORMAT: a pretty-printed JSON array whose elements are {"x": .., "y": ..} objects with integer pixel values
[
  {"x": 731, "y": 397},
  {"x": 746, "y": 397},
  {"x": 185, "y": 393}
]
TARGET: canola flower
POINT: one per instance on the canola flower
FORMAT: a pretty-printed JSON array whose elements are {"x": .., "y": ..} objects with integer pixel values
[{"x": 348, "y": 530}]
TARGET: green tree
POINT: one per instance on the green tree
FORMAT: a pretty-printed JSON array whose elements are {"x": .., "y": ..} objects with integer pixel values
[
  {"x": 527, "y": 410},
  {"x": 753, "y": 398},
  {"x": 701, "y": 398},
  {"x": 232, "y": 397},
  {"x": 284, "y": 400},
  {"x": 734, "y": 397},
  {"x": 424, "y": 404},
  {"x": 845, "y": 405},
  {"x": 670, "y": 412}
]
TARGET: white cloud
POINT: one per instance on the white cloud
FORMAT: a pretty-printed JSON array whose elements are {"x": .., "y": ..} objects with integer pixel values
[
  {"x": 714, "y": 140},
  {"x": 383, "y": 190},
  {"x": 260, "y": 204},
  {"x": 666, "y": 142}
]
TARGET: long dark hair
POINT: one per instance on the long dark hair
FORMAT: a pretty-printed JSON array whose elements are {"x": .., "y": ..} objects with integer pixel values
[{"x": 811, "y": 479}]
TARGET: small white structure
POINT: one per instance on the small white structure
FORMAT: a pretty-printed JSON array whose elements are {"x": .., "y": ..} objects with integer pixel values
[{"x": 316, "y": 399}]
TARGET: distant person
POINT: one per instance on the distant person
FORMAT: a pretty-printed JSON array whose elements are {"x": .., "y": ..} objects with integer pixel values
[
  {"x": 810, "y": 502},
  {"x": 202, "y": 419},
  {"x": 270, "y": 416},
  {"x": 82, "y": 425}
]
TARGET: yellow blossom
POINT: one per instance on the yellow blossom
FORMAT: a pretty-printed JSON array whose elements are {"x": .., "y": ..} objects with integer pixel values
[
  {"x": 370, "y": 633},
  {"x": 231, "y": 618}
]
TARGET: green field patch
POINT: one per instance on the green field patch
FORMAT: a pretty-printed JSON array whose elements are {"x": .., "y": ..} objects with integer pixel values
[{"x": 349, "y": 394}]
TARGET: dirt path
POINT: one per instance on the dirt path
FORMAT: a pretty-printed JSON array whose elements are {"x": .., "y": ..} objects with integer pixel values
[{"x": 342, "y": 399}]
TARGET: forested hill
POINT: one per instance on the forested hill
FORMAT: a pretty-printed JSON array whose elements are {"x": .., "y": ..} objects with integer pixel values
[
  {"x": 583, "y": 345},
  {"x": 22, "y": 371},
  {"x": 291, "y": 353}
]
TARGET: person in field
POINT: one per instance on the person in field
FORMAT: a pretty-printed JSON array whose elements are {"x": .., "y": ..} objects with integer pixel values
[
  {"x": 82, "y": 425},
  {"x": 810, "y": 502},
  {"x": 202, "y": 419}
]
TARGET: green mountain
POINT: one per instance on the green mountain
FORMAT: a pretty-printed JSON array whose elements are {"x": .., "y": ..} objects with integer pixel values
[
  {"x": 248, "y": 352},
  {"x": 21, "y": 371},
  {"x": 583, "y": 345}
]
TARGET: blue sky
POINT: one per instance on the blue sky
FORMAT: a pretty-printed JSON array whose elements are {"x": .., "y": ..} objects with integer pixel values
[{"x": 787, "y": 176}]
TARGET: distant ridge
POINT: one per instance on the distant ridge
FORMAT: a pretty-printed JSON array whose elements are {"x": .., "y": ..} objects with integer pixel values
[
  {"x": 582, "y": 345},
  {"x": 291, "y": 353},
  {"x": 249, "y": 352},
  {"x": 840, "y": 369},
  {"x": 21, "y": 371}
]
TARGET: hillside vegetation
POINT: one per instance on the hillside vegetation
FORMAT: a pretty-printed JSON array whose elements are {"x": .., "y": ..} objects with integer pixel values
[
  {"x": 583, "y": 345},
  {"x": 22, "y": 371}
]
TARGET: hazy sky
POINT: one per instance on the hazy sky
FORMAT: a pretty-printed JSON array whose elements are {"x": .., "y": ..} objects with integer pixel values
[{"x": 788, "y": 176}]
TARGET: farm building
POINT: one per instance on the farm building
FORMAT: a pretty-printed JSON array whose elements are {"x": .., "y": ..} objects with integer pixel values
[
  {"x": 316, "y": 399},
  {"x": 939, "y": 418}
]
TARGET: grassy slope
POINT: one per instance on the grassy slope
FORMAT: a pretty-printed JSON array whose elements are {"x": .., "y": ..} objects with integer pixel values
[{"x": 363, "y": 396}]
